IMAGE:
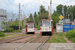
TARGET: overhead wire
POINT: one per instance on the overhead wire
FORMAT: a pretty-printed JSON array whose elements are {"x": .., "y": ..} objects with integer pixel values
[
  {"x": 13, "y": 3},
  {"x": 18, "y": 5},
  {"x": 62, "y": 3}
]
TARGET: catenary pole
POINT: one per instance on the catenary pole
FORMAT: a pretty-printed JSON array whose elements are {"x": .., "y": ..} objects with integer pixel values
[
  {"x": 19, "y": 16},
  {"x": 50, "y": 8}
]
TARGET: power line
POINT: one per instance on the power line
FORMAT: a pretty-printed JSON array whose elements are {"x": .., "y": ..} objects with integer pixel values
[
  {"x": 17, "y": 5},
  {"x": 25, "y": 8},
  {"x": 39, "y": 2},
  {"x": 13, "y": 3},
  {"x": 67, "y": 2},
  {"x": 62, "y": 3}
]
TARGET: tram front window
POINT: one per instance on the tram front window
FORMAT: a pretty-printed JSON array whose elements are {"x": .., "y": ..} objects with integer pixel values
[
  {"x": 30, "y": 26},
  {"x": 46, "y": 23}
]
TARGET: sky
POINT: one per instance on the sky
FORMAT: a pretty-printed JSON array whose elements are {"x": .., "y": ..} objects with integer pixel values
[{"x": 30, "y": 6}]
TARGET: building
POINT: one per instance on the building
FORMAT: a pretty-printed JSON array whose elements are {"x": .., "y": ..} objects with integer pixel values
[{"x": 2, "y": 19}]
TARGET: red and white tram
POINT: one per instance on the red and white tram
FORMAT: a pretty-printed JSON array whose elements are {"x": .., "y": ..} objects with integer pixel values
[
  {"x": 30, "y": 28},
  {"x": 46, "y": 26}
]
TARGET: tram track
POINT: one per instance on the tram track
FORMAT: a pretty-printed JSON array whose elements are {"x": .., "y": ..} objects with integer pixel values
[
  {"x": 14, "y": 39},
  {"x": 24, "y": 40},
  {"x": 43, "y": 40},
  {"x": 26, "y": 43},
  {"x": 43, "y": 43}
]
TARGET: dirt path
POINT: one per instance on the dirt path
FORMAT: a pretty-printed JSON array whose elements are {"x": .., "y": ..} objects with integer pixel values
[{"x": 67, "y": 40}]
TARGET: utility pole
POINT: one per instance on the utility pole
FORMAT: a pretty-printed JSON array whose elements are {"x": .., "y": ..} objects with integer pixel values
[
  {"x": 40, "y": 11},
  {"x": 24, "y": 19},
  {"x": 19, "y": 16},
  {"x": 48, "y": 12},
  {"x": 72, "y": 16},
  {"x": 68, "y": 16},
  {"x": 13, "y": 17},
  {"x": 50, "y": 8}
]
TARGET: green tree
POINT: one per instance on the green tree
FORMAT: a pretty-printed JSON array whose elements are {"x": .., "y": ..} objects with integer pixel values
[
  {"x": 35, "y": 15},
  {"x": 65, "y": 11},
  {"x": 59, "y": 9},
  {"x": 73, "y": 12},
  {"x": 42, "y": 10},
  {"x": 3, "y": 24},
  {"x": 30, "y": 17},
  {"x": 55, "y": 18},
  {"x": 27, "y": 19}
]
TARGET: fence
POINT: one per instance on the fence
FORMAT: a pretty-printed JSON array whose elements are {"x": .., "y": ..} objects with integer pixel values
[{"x": 68, "y": 27}]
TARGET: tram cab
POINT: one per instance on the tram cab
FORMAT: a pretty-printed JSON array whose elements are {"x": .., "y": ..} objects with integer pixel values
[
  {"x": 30, "y": 27},
  {"x": 46, "y": 26}
]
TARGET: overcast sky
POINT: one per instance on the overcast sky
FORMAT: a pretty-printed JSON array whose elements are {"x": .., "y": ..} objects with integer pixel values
[{"x": 31, "y": 5}]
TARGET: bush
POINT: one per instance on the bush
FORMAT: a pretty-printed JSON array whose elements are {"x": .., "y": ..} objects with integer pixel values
[
  {"x": 71, "y": 35},
  {"x": 17, "y": 31},
  {"x": 73, "y": 39},
  {"x": 37, "y": 26},
  {"x": 9, "y": 29},
  {"x": 2, "y": 34}
]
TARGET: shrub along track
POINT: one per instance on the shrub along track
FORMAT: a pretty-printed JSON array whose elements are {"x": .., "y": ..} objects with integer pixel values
[{"x": 14, "y": 39}]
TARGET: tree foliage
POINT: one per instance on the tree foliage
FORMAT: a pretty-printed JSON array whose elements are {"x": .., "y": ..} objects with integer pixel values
[
  {"x": 66, "y": 11},
  {"x": 30, "y": 17},
  {"x": 59, "y": 9},
  {"x": 55, "y": 18},
  {"x": 2, "y": 34}
]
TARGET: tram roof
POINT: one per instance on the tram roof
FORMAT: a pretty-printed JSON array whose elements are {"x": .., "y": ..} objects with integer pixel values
[
  {"x": 30, "y": 22},
  {"x": 47, "y": 19}
]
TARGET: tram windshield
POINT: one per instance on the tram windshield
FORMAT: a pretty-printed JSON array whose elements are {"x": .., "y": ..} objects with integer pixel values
[
  {"x": 46, "y": 23},
  {"x": 30, "y": 25}
]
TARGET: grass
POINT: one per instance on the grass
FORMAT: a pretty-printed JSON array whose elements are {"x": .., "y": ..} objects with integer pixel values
[
  {"x": 2, "y": 34},
  {"x": 15, "y": 31},
  {"x": 9, "y": 34},
  {"x": 72, "y": 39},
  {"x": 54, "y": 30},
  {"x": 57, "y": 38},
  {"x": 31, "y": 37}
]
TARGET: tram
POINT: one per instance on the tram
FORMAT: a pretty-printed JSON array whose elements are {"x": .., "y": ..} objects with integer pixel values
[
  {"x": 30, "y": 28},
  {"x": 46, "y": 26}
]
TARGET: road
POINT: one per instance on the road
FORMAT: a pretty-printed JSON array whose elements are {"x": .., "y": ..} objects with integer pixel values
[{"x": 33, "y": 46}]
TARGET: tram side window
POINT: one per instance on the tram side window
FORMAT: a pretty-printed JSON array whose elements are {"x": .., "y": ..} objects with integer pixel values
[
  {"x": 52, "y": 23},
  {"x": 34, "y": 25},
  {"x": 40, "y": 23}
]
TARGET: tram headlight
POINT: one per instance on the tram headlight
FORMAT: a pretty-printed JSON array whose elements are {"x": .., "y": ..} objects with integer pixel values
[{"x": 40, "y": 28}]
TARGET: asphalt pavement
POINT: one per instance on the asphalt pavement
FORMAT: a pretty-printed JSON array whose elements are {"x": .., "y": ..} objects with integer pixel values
[{"x": 34, "y": 46}]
